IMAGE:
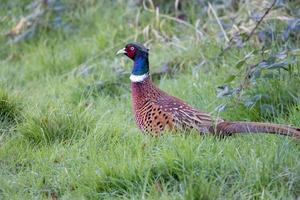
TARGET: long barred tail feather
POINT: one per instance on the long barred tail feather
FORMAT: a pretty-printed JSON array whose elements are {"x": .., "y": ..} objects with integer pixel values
[{"x": 229, "y": 128}]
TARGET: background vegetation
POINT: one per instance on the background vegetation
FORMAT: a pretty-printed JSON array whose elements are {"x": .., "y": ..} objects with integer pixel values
[{"x": 66, "y": 127}]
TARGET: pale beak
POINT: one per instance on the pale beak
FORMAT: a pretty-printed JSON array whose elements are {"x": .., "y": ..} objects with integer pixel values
[{"x": 121, "y": 51}]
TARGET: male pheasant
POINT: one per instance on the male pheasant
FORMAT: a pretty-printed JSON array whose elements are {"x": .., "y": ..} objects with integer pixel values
[{"x": 154, "y": 110}]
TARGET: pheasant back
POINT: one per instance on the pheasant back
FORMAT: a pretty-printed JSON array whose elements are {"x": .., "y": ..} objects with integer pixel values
[{"x": 154, "y": 110}]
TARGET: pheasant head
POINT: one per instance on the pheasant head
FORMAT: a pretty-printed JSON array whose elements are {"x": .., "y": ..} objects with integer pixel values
[{"x": 139, "y": 54}]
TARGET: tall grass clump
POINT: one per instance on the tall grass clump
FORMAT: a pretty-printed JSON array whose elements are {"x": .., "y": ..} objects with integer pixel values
[
  {"x": 56, "y": 125},
  {"x": 10, "y": 111}
]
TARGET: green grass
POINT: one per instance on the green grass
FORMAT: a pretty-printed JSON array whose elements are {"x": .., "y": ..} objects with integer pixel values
[{"x": 62, "y": 137}]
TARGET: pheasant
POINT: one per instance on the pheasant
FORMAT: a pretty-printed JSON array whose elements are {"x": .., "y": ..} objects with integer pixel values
[{"x": 154, "y": 110}]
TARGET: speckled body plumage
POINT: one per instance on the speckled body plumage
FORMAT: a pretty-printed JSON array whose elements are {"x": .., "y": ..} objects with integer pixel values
[{"x": 154, "y": 110}]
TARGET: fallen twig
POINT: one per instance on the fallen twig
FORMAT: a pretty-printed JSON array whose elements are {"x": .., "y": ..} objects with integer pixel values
[
  {"x": 260, "y": 20},
  {"x": 252, "y": 31}
]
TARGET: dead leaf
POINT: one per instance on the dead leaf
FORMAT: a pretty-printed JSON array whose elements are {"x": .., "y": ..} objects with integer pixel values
[{"x": 22, "y": 25}]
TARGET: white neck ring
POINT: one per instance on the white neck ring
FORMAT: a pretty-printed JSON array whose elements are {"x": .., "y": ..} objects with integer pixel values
[{"x": 138, "y": 78}]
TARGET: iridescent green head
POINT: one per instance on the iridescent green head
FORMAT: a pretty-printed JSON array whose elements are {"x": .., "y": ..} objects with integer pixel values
[{"x": 139, "y": 54}]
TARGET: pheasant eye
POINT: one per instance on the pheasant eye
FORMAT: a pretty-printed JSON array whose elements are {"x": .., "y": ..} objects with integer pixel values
[{"x": 131, "y": 48}]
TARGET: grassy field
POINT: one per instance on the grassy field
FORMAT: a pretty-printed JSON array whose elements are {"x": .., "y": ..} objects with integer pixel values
[{"x": 67, "y": 131}]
